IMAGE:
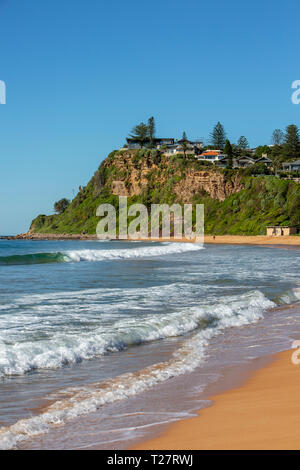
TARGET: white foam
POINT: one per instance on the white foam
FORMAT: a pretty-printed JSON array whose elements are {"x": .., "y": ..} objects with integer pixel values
[
  {"x": 52, "y": 331},
  {"x": 233, "y": 311},
  {"x": 139, "y": 252},
  {"x": 291, "y": 296}
]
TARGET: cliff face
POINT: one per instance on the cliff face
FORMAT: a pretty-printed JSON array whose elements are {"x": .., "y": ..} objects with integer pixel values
[
  {"x": 234, "y": 203},
  {"x": 133, "y": 177}
]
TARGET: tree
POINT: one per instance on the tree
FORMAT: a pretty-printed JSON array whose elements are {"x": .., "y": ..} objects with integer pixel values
[
  {"x": 292, "y": 142},
  {"x": 277, "y": 156},
  {"x": 61, "y": 205},
  {"x": 140, "y": 133},
  {"x": 151, "y": 130},
  {"x": 262, "y": 149},
  {"x": 277, "y": 137},
  {"x": 218, "y": 136},
  {"x": 242, "y": 144},
  {"x": 257, "y": 169},
  {"x": 184, "y": 137},
  {"x": 235, "y": 150},
  {"x": 228, "y": 151}
]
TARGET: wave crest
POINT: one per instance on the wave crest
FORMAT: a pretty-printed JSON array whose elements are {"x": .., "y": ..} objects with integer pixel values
[
  {"x": 99, "y": 255},
  {"x": 236, "y": 311}
]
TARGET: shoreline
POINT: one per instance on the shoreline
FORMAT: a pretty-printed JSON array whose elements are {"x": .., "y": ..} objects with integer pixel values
[
  {"x": 261, "y": 413},
  {"x": 208, "y": 239}
]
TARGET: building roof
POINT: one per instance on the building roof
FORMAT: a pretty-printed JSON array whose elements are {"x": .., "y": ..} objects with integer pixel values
[
  {"x": 296, "y": 162},
  {"x": 265, "y": 159},
  {"x": 213, "y": 153},
  {"x": 155, "y": 139},
  {"x": 245, "y": 158}
]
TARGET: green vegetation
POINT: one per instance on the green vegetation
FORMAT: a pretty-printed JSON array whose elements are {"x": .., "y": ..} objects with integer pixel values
[
  {"x": 265, "y": 200},
  {"x": 61, "y": 205},
  {"x": 242, "y": 144},
  {"x": 184, "y": 143},
  {"x": 292, "y": 142},
  {"x": 144, "y": 133},
  {"x": 218, "y": 136},
  {"x": 151, "y": 131},
  {"x": 229, "y": 152},
  {"x": 140, "y": 133}
]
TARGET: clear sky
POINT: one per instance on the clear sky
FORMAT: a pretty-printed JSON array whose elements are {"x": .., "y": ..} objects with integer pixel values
[{"x": 81, "y": 74}]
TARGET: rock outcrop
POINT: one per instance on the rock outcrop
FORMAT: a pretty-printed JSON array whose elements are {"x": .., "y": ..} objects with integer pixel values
[{"x": 133, "y": 178}]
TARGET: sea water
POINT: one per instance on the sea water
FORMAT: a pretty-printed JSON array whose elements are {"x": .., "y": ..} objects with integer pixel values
[{"x": 100, "y": 341}]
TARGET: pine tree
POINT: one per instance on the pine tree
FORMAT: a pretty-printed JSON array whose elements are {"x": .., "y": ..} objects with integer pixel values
[
  {"x": 229, "y": 153},
  {"x": 218, "y": 136},
  {"x": 151, "y": 130},
  {"x": 292, "y": 142},
  {"x": 140, "y": 133},
  {"x": 243, "y": 143}
]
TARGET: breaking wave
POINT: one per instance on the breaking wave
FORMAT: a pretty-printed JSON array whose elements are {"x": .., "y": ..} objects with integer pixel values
[
  {"x": 289, "y": 297},
  {"x": 32, "y": 258},
  {"x": 99, "y": 255},
  {"x": 207, "y": 321}
]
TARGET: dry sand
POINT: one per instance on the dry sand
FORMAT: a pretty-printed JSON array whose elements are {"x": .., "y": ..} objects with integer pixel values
[
  {"x": 241, "y": 240},
  {"x": 253, "y": 240},
  {"x": 264, "y": 413},
  {"x": 226, "y": 239}
]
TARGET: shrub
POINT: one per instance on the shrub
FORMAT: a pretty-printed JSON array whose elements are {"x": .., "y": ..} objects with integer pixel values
[{"x": 61, "y": 205}]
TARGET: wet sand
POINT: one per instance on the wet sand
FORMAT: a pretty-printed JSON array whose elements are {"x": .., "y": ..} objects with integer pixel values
[{"x": 263, "y": 413}]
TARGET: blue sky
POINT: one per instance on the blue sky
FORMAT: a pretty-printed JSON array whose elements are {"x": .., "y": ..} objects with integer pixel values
[{"x": 80, "y": 75}]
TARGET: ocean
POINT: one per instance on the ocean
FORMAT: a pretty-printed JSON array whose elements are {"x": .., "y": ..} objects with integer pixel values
[{"x": 102, "y": 343}]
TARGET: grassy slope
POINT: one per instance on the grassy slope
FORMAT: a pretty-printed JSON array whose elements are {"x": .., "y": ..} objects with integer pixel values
[{"x": 266, "y": 200}]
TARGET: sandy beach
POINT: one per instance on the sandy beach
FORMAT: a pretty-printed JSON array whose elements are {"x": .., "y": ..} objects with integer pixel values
[
  {"x": 263, "y": 413},
  {"x": 218, "y": 239},
  {"x": 240, "y": 240},
  {"x": 252, "y": 240}
]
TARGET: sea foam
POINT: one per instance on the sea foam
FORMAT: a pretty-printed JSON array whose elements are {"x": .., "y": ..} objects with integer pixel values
[
  {"x": 99, "y": 255},
  {"x": 207, "y": 321}
]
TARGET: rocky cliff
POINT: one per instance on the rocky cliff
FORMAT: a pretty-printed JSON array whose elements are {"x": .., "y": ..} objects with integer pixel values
[
  {"x": 235, "y": 203},
  {"x": 134, "y": 171}
]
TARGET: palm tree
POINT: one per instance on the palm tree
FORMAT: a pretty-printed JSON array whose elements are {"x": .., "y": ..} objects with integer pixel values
[
  {"x": 184, "y": 143},
  {"x": 184, "y": 146}
]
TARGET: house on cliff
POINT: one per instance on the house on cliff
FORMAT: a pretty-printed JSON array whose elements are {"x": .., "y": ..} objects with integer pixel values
[
  {"x": 158, "y": 142},
  {"x": 291, "y": 166}
]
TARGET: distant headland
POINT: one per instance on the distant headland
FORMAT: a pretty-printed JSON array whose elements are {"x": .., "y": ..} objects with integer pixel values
[{"x": 244, "y": 190}]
